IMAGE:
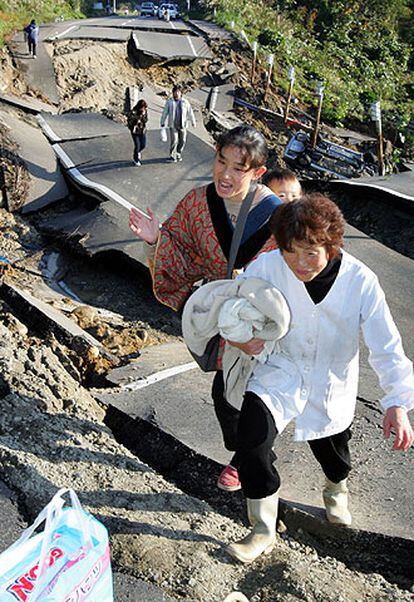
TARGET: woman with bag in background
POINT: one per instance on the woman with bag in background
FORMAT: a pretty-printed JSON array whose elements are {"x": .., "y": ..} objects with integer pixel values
[
  {"x": 137, "y": 124},
  {"x": 194, "y": 243}
]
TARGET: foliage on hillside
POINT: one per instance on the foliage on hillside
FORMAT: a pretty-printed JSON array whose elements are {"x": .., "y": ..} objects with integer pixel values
[
  {"x": 15, "y": 14},
  {"x": 360, "y": 49}
]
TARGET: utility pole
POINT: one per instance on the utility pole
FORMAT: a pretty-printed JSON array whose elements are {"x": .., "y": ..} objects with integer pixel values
[
  {"x": 114, "y": 6},
  {"x": 289, "y": 97},
  {"x": 376, "y": 117},
  {"x": 319, "y": 93},
  {"x": 253, "y": 73},
  {"x": 270, "y": 61}
]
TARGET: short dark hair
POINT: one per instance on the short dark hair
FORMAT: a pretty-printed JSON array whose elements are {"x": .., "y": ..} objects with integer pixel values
[
  {"x": 141, "y": 104},
  {"x": 249, "y": 141},
  {"x": 177, "y": 88},
  {"x": 313, "y": 219},
  {"x": 280, "y": 174}
]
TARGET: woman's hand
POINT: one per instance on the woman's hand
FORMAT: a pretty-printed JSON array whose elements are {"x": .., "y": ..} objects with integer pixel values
[
  {"x": 147, "y": 229},
  {"x": 252, "y": 347},
  {"x": 396, "y": 421}
]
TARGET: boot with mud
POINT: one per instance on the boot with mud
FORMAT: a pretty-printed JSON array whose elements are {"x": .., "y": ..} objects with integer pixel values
[
  {"x": 262, "y": 515},
  {"x": 335, "y": 497}
]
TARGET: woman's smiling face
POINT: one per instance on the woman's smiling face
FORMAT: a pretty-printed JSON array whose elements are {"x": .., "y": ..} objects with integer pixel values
[
  {"x": 232, "y": 175},
  {"x": 306, "y": 261}
]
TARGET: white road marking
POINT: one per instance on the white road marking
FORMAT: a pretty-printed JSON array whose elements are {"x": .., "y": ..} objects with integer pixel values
[
  {"x": 396, "y": 193},
  {"x": 158, "y": 376},
  {"x": 190, "y": 41},
  {"x": 76, "y": 174},
  {"x": 134, "y": 35},
  {"x": 59, "y": 35},
  {"x": 47, "y": 129}
]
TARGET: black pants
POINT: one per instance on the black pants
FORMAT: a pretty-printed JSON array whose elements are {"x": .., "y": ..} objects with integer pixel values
[
  {"x": 140, "y": 142},
  {"x": 251, "y": 432},
  {"x": 32, "y": 46}
]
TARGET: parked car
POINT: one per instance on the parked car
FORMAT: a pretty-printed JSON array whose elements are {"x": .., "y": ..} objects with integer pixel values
[
  {"x": 327, "y": 157},
  {"x": 147, "y": 9},
  {"x": 171, "y": 8}
]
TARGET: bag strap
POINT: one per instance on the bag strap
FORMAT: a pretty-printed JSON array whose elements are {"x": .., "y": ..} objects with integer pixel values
[
  {"x": 239, "y": 228},
  {"x": 54, "y": 510}
]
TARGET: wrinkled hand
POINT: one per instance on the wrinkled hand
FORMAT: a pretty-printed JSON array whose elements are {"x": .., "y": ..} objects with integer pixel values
[
  {"x": 396, "y": 421},
  {"x": 252, "y": 347},
  {"x": 145, "y": 228}
]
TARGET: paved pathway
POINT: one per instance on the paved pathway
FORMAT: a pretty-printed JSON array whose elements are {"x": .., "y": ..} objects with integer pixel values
[{"x": 46, "y": 180}]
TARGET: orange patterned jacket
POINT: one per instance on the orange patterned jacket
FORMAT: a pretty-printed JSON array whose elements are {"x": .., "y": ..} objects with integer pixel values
[{"x": 194, "y": 244}]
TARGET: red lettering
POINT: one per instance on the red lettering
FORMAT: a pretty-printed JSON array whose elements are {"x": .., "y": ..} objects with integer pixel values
[
  {"x": 24, "y": 584},
  {"x": 32, "y": 574},
  {"x": 21, "y": 588},
  {"x": 55, "y": 554}
]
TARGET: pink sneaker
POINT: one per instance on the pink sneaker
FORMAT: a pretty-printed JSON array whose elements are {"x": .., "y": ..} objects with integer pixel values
[{"x": 229, "y": 479}]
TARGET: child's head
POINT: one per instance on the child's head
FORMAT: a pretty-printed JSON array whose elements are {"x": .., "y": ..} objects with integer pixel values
[
  {"x": 309, "y": 232},
  {"x": 284, "y": 183},
  {"x": 241, "y": 154}
]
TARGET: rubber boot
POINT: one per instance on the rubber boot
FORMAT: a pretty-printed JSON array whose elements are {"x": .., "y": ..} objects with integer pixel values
[
  {"x": 262, "y": 515},
  {"x": 335, "y": 497}
]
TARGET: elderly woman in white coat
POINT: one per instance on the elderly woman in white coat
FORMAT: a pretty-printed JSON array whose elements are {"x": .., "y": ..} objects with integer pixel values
[{"x": 312, "y": 377}]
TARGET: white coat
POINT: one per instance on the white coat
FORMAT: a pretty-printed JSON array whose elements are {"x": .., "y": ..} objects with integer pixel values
[
  {"x": 314, "y": 377},
  {"x": 168, "y": 113}
]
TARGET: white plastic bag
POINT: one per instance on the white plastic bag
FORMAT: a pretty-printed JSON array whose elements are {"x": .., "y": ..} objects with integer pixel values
[
  {"x": 163, "y": 135},
  {"x": 67, "y": 562}
]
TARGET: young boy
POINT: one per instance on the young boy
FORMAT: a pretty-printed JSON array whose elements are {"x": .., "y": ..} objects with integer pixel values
[
  {"x": 284, "y": 183},
  {"x": 313, "y": 376}
]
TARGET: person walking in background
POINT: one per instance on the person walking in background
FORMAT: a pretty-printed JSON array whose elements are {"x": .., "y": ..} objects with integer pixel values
[
  {"x": 137, "y": 124},
  {"x": 177, "y": 113},
  {"x": 32, "y": 35},
  {"x": 284, "y": 183}
]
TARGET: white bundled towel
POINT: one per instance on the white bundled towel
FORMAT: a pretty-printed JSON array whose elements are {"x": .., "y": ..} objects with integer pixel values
[{"x": 240, "y": 310}]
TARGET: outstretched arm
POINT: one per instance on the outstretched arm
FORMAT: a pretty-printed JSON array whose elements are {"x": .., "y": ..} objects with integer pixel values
[
  {"x": 396, "y": 421},
  {"x": 145, "y": 228}
]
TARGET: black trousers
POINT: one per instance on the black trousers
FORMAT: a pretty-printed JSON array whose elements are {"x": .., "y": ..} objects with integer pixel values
[
  {"x": 251, "y": 432},
  {"x": 140, "y": 142},
  {"x": 32, "y": 46}
]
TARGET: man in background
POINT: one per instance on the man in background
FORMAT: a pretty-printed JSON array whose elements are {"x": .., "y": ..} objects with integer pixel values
[
  {"x": 32, "y": 36},
  {"x": 178, "y": 114}
]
